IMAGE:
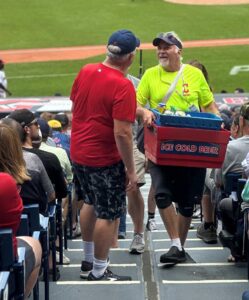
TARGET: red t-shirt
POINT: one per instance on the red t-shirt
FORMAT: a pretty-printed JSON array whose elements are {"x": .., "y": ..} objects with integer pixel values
[
  {"x": 11, "y": 206},
  {"x": 100, "y": 94}
]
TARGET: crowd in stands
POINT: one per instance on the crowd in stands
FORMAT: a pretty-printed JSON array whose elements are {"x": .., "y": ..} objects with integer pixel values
[{"x": 36, "y": 168}]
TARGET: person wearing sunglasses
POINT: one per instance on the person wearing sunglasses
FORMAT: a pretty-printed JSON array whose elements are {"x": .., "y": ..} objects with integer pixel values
[{"x": 183, "y": 185}]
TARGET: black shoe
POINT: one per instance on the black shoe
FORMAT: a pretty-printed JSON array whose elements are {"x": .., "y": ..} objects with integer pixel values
[
  {"x": 174, "y": 255},
  {"x": 86, "y": 268},
  {"x": 121, "y": 236},
  {"x": 50, "y": 274},
  {"x": 108, "y": 276}
]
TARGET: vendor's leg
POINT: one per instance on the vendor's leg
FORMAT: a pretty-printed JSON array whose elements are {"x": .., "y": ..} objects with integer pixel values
[
  {"x": 184, "y": 220},
  {"x": 169, "y": 218}
]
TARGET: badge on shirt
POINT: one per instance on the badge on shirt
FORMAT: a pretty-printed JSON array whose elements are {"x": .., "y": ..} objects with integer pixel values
[{"x": 185, "y": 90}]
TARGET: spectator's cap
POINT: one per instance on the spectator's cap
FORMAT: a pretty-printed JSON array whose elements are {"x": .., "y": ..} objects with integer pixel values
[
  {"x": 23, "y": 116},
  {"x": 55, "y": 124},
  {"x": 122, "y": 42},
  {"x": 44, "y": 127},
  {"x": 170, "y": 38},
  {"x": 62, "y": 118},
  {"x": 244, "y": 111}
]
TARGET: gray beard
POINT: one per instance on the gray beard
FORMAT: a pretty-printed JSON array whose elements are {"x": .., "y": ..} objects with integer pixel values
[{"x": 164, "y": 64}]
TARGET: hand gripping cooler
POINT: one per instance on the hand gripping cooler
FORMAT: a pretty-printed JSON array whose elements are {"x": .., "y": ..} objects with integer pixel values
[{"x": 189, "y": 147}]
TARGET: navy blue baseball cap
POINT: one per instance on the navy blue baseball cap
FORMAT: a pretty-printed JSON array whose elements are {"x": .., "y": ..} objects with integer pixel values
[
  {"x": 125, "y": 40},
  {"x": 168, "y": 37}
]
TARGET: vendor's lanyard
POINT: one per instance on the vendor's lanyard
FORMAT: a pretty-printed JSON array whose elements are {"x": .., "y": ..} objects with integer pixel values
[{"x": 181, "y": 95}]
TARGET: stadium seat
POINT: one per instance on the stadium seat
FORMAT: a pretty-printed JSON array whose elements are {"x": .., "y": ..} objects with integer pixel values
[
  {"x": 52, "y": 237},
  {"x": 23, "y": 229},
  {"x": 4, "y": 285},
  {"x": 8, "y": 263},
  {"x": 32, "y": 211},
  {"x": 59, "y": 229},
  {"x": 234, "y": 233}
]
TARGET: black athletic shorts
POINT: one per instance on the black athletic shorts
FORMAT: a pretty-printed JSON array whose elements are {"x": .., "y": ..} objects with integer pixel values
[{"x": 183, "y": 185}]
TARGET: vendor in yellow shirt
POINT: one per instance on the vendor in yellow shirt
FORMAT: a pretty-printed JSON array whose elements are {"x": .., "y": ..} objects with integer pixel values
[{"x": 183, "y": 185}]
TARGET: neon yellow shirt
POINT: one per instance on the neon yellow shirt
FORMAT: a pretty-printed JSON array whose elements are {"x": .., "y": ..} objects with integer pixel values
[{"x": 191, "y": 88}]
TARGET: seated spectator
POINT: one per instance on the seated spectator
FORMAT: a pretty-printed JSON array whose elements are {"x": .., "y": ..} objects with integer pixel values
[
  {"x": 235, "y": 154},
  {"x": 39, "y": 189},
  {"x": 235, "y": 110},
  {"x": 234, "y": 130},
  {"x": 47, "y": 116},
  {"x": 226, "y": 121},
  {"x": 10, "y": 215},
  {"x": 59, "y": 152},
  {"x": 60, "y": 136},
  {"x": 15, "y": 174},
  {"x": 51, "y": 163}
]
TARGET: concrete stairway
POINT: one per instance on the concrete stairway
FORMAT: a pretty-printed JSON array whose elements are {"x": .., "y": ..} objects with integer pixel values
[{"x": 206, "y": 274}]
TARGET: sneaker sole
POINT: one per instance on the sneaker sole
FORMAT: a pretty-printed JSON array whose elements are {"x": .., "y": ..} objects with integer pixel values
[
  {"x": 207, "y": 240},
  {"x": 136, "y": 251},
  {"x": 84, "y": 275},
  {"x": 173, "y": 260},
  {"x": 149, "y": 230}
]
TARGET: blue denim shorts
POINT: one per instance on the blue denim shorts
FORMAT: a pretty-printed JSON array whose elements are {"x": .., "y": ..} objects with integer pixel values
[{"x": 104, "y": 188}]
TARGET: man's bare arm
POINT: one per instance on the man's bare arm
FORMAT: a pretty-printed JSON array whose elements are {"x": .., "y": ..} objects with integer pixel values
[{"x": 124, "y": 142}]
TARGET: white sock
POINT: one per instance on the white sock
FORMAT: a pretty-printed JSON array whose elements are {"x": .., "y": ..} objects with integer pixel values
[
  {"x": 99, "y": 267},
  {"x": 88, "y": 251},
  {"x": 177, "y": 243}
]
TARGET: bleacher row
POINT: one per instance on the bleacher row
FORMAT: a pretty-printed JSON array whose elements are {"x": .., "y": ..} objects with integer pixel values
[
  {"x": 12, "y": 272},
  {"x": 46, "y": 230}
]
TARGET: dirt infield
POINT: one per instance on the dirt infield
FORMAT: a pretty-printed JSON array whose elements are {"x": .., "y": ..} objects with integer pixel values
[
  {"x": 209, "y": 2},
  {"x": 74, "y": 53}
]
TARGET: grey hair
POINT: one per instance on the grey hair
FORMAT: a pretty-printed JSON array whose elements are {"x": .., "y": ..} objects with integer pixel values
[{"x": 116, "y": 56}]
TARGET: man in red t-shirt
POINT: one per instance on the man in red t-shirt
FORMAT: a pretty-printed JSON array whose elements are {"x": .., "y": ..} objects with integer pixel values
[{"x": 104, "y": 108}]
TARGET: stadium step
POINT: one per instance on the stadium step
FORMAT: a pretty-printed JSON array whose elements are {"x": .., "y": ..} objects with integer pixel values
[{"x": 206, "y": 274}]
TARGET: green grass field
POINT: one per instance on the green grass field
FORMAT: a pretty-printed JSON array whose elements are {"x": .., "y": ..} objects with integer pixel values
[{"x": 58, "y": 23}]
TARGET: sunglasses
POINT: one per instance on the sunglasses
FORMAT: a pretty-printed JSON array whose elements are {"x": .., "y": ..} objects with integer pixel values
[{"x": 34, "y": 122}]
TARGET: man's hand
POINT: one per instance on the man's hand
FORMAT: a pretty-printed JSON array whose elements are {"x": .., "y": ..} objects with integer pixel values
[
  {"x": 148, "y": 117},
  {"x": 131, "y": 181},
  {"x": 145, "y": 115}
]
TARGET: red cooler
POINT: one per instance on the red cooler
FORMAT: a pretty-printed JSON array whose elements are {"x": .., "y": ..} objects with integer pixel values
[{"x": 189, "y": 147}]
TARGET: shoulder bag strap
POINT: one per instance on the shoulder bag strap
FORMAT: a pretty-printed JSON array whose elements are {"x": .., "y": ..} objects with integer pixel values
[{"x": 173, "y": 85}]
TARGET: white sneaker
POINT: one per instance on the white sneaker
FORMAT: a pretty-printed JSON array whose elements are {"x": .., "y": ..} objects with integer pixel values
[
  {"x": 197, "y": 213},
  {"x": 151, "y": 225},
  {"x": 76, "y": 231},
  {"x": 65, "y": 261},
  {"x": 137, "y": 244}
]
